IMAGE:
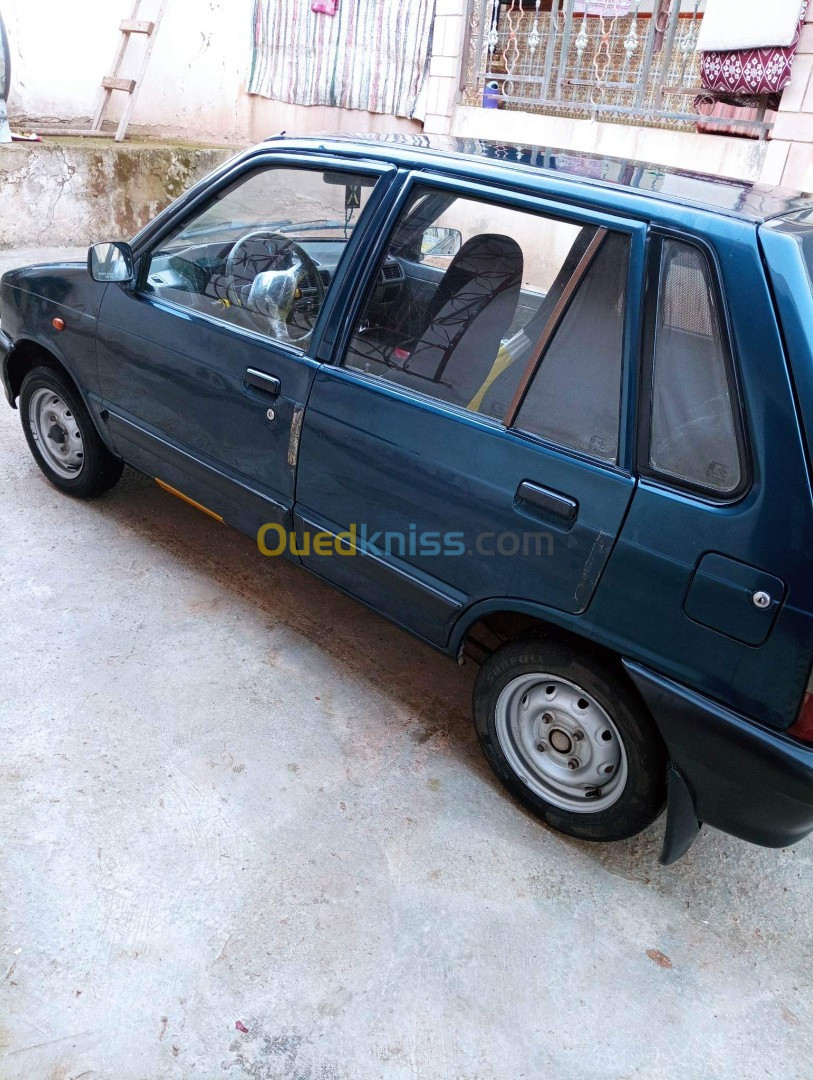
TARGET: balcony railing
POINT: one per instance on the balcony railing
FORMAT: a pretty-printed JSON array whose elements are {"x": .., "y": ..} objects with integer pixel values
[{"x": 629, "y": 61}]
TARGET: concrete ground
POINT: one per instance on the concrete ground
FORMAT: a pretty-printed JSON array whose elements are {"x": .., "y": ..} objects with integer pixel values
[{"x": 246, "y": 832}]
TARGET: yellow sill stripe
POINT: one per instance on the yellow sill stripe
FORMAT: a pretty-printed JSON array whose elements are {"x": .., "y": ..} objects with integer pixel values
[{"x": 186, "y": 499}]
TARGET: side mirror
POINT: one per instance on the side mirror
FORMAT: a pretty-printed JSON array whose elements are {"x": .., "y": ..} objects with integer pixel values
[
  {"x": 111, "y": 262},
  {"x": 438, "y": 240}
]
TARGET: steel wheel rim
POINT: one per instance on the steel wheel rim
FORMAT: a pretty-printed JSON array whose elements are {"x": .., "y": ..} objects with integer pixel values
[
  {"x": 56, "y": 433},
  {"x": 561, "y": 743}
]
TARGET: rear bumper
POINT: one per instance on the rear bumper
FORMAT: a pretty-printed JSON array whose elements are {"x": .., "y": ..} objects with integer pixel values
[
  {"x": 751, "y": 781},
  {"x": 6, "y": 345}
]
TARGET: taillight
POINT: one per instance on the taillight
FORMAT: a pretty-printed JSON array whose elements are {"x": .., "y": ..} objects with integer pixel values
[{"x": 803, "y": 728}]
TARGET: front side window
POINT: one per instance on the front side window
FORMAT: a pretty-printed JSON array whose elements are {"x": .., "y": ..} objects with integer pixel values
[
  {"x": 511, "y": 314},
  {"x": 264, "y": 252},
  {"x": 694, "y": 423}
]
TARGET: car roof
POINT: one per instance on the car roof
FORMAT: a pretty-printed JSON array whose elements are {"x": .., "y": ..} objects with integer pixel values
[{"x": 743, "y": 199}]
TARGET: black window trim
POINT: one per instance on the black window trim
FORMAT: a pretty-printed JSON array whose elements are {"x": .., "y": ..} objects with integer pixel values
[{"x": 643, "y": 468}]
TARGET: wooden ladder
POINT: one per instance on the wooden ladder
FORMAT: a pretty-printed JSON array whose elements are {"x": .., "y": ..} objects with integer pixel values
[{"x": 130, "y": 26}]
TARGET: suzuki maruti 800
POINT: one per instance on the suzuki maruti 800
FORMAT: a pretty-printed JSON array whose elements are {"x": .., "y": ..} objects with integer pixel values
[{"x": 550, "y": 411}]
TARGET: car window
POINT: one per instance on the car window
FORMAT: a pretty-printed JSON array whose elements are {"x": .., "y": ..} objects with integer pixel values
[
  {"x": 574, "y": 399},
  {"x": 264, "y": 252},
  {"x": 463, "y": 294},
  {"x": 694, "y": 426}
]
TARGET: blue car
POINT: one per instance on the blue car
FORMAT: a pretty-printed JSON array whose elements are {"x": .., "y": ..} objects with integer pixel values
[{"x": 548, "y": 411}]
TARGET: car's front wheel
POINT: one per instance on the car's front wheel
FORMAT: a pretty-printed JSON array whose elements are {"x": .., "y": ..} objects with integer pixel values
[
  {"x": 568, "y": 737},
  {"x": 62, "y": 437}
]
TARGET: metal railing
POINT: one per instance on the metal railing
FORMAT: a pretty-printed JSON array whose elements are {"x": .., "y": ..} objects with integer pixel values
[{"x": 631, "y": 61}]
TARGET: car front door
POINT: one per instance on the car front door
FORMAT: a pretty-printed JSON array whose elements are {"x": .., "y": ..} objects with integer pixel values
[
  {"x": 470, "y": 444},
  {"x": 205, "y": 364}
]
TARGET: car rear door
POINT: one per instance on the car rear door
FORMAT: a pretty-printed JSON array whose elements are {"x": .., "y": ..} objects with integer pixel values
[{"x": 450, "y": 498}]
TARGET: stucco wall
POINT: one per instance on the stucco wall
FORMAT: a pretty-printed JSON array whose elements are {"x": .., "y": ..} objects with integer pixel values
[
  {"x": 66, "y": 192},
  {"x": 195, "y": 84}
]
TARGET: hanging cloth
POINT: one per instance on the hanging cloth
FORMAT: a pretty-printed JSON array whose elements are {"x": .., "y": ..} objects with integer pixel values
[
  {"x": 610, "y": 9},
  {"x": 752, "y": 71},
  {"x": 373, "y": 55}
]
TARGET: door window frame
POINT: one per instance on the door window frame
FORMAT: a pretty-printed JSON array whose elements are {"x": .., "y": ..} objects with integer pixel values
[
  {"x": 710, "y": 496},
  {"x": 533, "y": 202},
  {"x": 185, "y": 209}
]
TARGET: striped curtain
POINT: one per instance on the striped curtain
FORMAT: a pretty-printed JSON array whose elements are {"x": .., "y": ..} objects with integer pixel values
[{"x": 373, "y": 54}]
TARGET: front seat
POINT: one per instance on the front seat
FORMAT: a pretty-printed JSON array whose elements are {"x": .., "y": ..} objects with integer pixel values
[
  {"x": 469, "y": 315},
  {"x": 496, "y": 395}
]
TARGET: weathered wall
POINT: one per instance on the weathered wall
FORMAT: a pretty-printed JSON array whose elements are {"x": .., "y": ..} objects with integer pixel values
[
  {"x": 80, "y": 191},
  {"x": 195, "y": 84},
  {"x": 195, "y": 90}
]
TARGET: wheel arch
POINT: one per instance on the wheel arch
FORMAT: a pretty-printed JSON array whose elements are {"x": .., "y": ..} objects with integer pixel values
[
  {"x": 27, "y": 354},
  {"x": 24, "y": 357},
  {"x": 486, "y": 625}
]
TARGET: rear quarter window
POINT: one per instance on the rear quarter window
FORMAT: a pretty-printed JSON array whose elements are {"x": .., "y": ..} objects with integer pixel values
[{"x": 693, "y": 430}]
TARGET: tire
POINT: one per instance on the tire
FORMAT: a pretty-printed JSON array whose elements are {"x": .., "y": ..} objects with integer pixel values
[
  {"x": 568, "y": 737},
  {"x": 62, "y": 437}
]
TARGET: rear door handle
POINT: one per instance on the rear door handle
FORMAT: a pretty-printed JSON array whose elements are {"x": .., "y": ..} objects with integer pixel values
[
  {"x": 269, "y": 384},
  {"x": 548, "y": 502}
]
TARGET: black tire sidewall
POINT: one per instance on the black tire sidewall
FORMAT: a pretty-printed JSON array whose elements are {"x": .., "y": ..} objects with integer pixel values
[
  {"x": 644, "y": 793},
  {"x": 100, "y": 469}
]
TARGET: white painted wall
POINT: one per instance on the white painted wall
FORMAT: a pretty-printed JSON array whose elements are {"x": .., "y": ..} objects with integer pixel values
[
  {"x": 195, "y": 85},
  {"x": 721, "y": 155}
]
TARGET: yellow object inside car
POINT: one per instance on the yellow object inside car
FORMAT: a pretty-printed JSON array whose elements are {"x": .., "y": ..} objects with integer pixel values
[{"x": 503, "y": 361}]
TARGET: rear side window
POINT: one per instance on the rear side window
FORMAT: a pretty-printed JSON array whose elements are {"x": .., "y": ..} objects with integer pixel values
[
  {"x": 509, "y": 313},
  {"x": 693, "y": 435}
]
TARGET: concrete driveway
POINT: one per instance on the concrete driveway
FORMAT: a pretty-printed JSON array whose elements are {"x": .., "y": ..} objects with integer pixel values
[{"x": 247, "y": 832}]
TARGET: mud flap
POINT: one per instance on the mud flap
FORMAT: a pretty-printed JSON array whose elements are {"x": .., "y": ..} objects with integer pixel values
[{"x": 682, "y": 825}]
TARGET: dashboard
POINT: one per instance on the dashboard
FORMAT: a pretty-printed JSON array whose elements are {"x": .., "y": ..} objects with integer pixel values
[{"x": 201, "y": 269}]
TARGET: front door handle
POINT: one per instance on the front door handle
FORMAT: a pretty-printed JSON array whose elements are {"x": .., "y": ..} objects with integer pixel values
[
  {"x": 269, "y": 384},
  {"x": 548, "y": 502}
]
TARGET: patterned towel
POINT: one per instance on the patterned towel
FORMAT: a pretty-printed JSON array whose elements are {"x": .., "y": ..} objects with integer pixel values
[
  {"x": 748, "y": 24},
  {"x": 745, "y": 72}
]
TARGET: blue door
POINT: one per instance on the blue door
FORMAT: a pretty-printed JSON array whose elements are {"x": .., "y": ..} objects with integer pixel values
[
  {"x": 470, "y": 444},
  {"x": 206, "y": 364}
]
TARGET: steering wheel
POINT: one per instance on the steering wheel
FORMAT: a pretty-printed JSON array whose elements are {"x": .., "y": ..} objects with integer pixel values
[{"x": 267, "y": 275}]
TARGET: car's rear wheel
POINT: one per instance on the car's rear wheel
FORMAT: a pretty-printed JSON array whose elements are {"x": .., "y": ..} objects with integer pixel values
[
  {"x": 62, "y": 436},
  {"x": 567, "y": 736}
]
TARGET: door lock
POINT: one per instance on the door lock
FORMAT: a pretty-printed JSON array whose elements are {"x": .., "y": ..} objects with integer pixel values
[
  {"x": 270, "y": 415},
  {"x": 762, "y": 600}
]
